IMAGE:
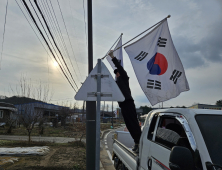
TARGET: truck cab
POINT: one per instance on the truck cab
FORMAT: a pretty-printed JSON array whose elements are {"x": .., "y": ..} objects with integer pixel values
[{"x": 178, "y": 139}]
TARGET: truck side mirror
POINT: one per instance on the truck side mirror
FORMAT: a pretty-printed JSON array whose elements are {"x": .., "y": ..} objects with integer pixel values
[{"x": 181, "y": 159}]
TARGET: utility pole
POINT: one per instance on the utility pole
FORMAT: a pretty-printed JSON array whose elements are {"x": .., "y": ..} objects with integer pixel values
[{"x": 90, "y": 105}]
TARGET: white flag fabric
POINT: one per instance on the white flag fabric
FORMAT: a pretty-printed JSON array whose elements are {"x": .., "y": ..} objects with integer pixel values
[
  {"x": 157, "y": 65},
  {"x": 118, "y": 54}
]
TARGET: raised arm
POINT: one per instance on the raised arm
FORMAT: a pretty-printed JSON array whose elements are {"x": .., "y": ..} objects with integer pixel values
[{"x": 121, "y": 70}]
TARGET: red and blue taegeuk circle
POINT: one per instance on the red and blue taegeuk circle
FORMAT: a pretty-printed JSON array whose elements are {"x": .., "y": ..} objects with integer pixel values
[{"x": 158, "y": 64}]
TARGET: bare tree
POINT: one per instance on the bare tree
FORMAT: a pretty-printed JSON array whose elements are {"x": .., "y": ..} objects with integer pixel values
[
  {"x": 31, "y": 112},
  {"x": 64, "y": 113},
  {"x": 11, "y": 121}
]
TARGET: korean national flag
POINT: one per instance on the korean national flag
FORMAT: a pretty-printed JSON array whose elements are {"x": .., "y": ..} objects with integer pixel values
[
  {"x": 118, "y": 54},
  {"x": 157, "y": 65}
]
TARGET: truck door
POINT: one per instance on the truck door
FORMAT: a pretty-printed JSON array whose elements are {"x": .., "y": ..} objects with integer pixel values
[
  {"x": 167, "y": 133},
  {"x": 149, "y": 131}
]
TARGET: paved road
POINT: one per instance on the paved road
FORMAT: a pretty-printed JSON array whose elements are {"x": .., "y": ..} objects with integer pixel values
[
  {"x": 108, "y": 141},
  {"x": 39, "y": 138}
]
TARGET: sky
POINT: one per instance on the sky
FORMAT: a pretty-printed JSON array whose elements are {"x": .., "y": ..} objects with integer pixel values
[{"x": 195, "y": 28}]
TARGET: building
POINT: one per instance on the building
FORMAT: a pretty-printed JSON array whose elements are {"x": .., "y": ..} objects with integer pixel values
[
  {"x": 40, "y": 109},
  {"x": 7, "y": 112},
  {"x": 205, "y": 106},
  {"x": 106, "y": 114}
]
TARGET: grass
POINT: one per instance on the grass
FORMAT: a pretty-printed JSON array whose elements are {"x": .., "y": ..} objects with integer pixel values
[
  {"x": 61, "y": 156},
  {"x": 8, "y": 143},
  {"x": 70, "y": 155},
  {"x": 48, "y": 131},
  {"x": 72, "y": 130}
]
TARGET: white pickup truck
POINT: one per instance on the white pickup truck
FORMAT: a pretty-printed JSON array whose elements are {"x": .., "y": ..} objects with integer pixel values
[{"x": 175, "y": 139}]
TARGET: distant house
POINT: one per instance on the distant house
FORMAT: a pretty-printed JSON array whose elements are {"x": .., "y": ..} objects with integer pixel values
[
  {"x": 7, "y": 112},
  {"x": 45, "y": 110},
  {"x": 205, "y": 106},
  {"x": 106, "y": 114}
]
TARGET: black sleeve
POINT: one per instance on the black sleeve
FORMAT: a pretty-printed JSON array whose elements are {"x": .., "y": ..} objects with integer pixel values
[{"x": 121, "y": 70}]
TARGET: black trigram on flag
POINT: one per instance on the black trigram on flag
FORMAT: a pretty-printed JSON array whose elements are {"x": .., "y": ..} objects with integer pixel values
[
  {"x": 162, "y": 42},
  {"x": 175, "y": 75},
  {"x": 141, "y": 56},
  {"x": 151, "y": 84}
]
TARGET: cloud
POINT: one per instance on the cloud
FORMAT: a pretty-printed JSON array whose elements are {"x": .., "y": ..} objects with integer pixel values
[{"x": 208, "y": 49}]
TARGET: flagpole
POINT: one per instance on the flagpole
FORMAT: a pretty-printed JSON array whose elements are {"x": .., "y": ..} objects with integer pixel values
[
  {"x": 112, "y": 46},
  {"x": 139, "y": 35}
]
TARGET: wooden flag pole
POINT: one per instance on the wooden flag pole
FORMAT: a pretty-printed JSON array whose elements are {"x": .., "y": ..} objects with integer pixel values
[{"x": 139, "y": 35}]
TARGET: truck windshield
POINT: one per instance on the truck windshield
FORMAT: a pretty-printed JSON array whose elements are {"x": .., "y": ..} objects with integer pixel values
[{"x": 210, "y": 127}]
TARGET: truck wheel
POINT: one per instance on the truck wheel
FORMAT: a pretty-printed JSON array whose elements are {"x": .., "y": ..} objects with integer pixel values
[
  {"x": 116, "y": 162},
  {"x": 120, "y": 166}
]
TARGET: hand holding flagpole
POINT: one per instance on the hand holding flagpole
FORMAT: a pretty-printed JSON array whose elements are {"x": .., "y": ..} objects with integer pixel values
[
  {"x": 111, "y": 54},
  {"x": 112, "y": 46},
  {"x": 118, "y": 54}
]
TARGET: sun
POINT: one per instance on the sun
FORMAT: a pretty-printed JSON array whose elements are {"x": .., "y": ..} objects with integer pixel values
[{"x": 55, "y": 64}]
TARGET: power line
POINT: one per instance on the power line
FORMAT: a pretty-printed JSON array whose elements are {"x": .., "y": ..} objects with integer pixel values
[
  {"x": 73, "y": 18},
  {"x": 46, "y": 42},
  {"x": 34, "y": 32},
  {"x": 4, "y": 33},
  {"x": 69, "y": 41},
  {"x": 58, "y": 30},
  {"x": 38, "y": 39},
  {"x": 50, "y": 41},
  {"x": 53, "y": 25},
  {"x": 58, "y": 27},
  {"x": 54, "y": 41},
  {"x": 62, "y": 65},
  {"x": 31, "y": 26},
  {"x": 47, "y": 57},
  {"x": 46, "y": 33}
]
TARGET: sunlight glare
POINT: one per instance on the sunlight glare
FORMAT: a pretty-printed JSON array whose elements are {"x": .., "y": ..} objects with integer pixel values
[{"x": 55, "y": 64}]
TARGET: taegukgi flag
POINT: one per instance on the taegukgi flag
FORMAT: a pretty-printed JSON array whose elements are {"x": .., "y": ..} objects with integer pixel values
[
  {"x": 157, "y": 65},
  {"x": 118, "y": 54}
]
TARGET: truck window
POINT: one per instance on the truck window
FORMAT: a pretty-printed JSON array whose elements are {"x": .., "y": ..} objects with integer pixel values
[
  {"x": 152, "y": 127},
  {"x": 210, "y": 127},
  {"x": 170, "y": 133}
]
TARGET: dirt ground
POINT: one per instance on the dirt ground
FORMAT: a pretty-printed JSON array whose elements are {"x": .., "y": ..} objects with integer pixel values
[
  {"x": 75, "y": 130},
  {"x": 59, "y": 158}
]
